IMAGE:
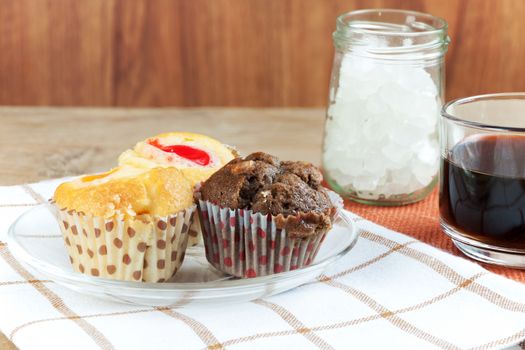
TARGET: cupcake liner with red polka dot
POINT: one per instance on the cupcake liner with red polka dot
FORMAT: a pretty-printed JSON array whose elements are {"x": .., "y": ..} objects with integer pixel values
[
  {"x": 246, "y": 244},
  {"x": 145, "y": 248}
]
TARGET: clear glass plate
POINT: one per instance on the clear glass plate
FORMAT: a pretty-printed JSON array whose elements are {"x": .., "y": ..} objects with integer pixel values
[{"x": 35, "y": 239}]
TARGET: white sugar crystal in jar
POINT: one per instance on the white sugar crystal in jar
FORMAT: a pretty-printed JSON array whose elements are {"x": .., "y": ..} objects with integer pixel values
[{"x": 381, "y": 136}]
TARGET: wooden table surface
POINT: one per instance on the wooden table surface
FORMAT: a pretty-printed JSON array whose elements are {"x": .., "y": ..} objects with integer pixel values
[{"x": 42, "y": 143}]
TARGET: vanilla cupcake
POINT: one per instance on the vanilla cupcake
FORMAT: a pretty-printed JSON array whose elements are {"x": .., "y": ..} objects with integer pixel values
[
  {"x": 197, "y": 156},
  {"x": 127, "y": 224}
]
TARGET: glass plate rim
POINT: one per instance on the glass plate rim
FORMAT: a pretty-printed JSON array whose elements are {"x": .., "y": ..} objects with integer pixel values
[{"x": 214, "y": 286}]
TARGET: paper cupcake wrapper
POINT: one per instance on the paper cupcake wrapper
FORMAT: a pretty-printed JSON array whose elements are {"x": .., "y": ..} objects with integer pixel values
[
  {"x": 195, "y": 233},
  {"x": 246, "y": 244},
  {"x": 146, "y": 248}
]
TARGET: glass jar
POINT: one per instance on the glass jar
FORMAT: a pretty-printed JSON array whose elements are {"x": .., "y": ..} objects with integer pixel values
[{"x": 381, "y": 132}]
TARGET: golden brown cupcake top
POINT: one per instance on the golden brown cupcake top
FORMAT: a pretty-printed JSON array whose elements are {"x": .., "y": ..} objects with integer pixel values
[{"x": 127, "y": 191}]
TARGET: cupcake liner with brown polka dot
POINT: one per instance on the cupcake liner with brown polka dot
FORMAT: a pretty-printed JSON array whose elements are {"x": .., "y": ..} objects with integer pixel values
[
  {"x": 246, "y": 244},
  {"x": 195, "y": 233},
  {"x": 145, "y": 248}
]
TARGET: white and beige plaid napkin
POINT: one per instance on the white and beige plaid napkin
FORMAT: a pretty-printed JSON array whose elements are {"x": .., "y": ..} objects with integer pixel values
[{"x": 389, "y": 292}]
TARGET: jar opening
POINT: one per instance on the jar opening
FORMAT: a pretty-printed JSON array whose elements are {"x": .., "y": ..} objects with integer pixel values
[
  {"x": 392, "y": 22},
  {"x": 392, "y": 34}
]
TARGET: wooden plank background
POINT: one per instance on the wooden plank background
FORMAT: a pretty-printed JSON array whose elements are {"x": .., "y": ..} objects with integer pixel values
[{"x": 224, "y": 52}]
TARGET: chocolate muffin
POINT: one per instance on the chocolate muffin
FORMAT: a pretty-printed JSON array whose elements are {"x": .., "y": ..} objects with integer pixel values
[
  {"x": 261, "y": 216},
  {"x": 289, "y": 190}
]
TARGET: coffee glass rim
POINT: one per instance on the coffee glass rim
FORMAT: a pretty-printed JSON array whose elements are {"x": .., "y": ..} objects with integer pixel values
[{"x": 482, "y": 97}]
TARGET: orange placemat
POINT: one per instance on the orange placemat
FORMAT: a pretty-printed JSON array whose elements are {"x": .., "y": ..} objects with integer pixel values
[{"x": 421, "y": 221}]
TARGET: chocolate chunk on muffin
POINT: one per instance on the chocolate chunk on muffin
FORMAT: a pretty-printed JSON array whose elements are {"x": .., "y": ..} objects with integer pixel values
[
  {"x": 306, "y": 171},
  {"x": 265, "y": 185},
  {"x": 289, "y": 195},
  {"x": 235, "y": 185}
]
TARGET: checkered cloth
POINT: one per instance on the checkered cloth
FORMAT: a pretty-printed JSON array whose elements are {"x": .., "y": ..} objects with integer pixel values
[{"x": 390, "y": 291}]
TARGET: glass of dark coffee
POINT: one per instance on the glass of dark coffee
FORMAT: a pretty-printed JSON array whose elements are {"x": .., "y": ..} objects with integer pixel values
[{"x": 482, "y": 177}]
